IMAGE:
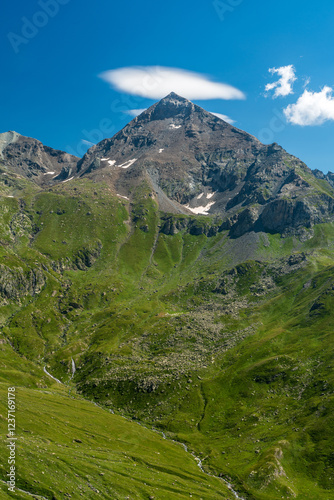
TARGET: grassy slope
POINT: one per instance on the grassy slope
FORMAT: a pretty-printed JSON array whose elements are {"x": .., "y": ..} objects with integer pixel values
[
  {"x": 243, "y": 377},
  {"x": 98, "y": 455}
]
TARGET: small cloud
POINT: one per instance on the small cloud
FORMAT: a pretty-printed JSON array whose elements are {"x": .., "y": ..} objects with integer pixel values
[
  {"x": 155, "y": 82},
  {"x": 306, "y": 83},
  {"x": 224, "y": 117},
  {"x": 283, "y": 86},
  {"x": 134, "y": 112},
  {"x": 88, "y": 143},
  {"x": 312, "y": 108}
]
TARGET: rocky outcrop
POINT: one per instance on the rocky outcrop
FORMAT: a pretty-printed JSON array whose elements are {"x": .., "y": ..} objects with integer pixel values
[
  {"x": 245, "y": 222},
  {"x": 16, "y": 284},
  {"x": 171, "y": 224},
  {"x": 29, "y": 158},
  {"x": 329, "y": 177},
  {"x": 195, "y": 163},
  {"x": 278, "y": 215},
  {"x": 258, "y": 278},
  {"x": 206, "y": 166},
  {"x": 82, "y": 260}
]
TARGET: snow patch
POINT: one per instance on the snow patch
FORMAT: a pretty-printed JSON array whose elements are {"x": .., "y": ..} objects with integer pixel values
[
  {"x": 161, "y": 150},
  {"x": 209, "y": 195},
  {"x": 49, "y": 173},
  {"x": 69, "y": 179},
  {"x": 201, "y": 210},
  {"x": 111, "y": 162},
  {"x": 125, "y": 197},
  {"x": 200, "y": 196},
  {"x": 104, "y": 159},
  {"x": 127, "y": 164},
  {"x": 172, "y": 125}
]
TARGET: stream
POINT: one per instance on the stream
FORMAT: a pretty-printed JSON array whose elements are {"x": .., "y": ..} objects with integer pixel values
[
  {"x": 198, "y": 460},
  {"x": 73, "y": 369},
  {"x": 199, "y": 463},
  {"x": 49, "y": 374}
]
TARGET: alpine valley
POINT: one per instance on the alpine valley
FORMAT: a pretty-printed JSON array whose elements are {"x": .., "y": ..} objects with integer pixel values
[{"x": 179, "y": 276}]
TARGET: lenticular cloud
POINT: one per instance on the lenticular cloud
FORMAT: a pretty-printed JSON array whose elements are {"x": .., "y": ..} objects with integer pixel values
[
  {"x": 155, "y": 82},
  {"x": 223, "y": 117},
  {"x": 134, "y": 112}
]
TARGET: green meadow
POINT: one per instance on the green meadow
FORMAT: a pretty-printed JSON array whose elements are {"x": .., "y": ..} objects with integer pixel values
[{"x": 224, "y": 345}]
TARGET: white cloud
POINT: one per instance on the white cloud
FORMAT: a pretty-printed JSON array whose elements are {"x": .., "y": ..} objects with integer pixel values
[
  {"x": 223, "y": 117},
  {"x": 307, "y": 81},
  {"x": 312, "y": 108},
  {"x": 88, "y": 143},
  {"x": 283, "y": 86},
  {"x": 155, "y": 82},
  {"x": 134, "y": 112}
]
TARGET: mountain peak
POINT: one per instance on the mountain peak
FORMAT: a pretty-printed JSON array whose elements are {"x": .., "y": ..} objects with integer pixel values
[
  {"x": 29, "y": 158},
  {"x": 169, "y": 107},
  {"x": 174, "y": 97}
]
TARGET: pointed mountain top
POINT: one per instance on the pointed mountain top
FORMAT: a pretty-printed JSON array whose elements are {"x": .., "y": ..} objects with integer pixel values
[
  {"x": 174, "y": 97},
  {"x": 174, "y": 105},
  {"x": 170, "y": 106}
]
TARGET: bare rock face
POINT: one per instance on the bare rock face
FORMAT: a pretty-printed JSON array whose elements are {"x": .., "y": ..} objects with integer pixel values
[
  {"x": 184, "y": 151},
  {"x": 29, "y": 158},
  {"x": 329, "y": 177},
  {"x": 245, "y": 222},
  {"x": 16, "y": 284},
  {"x": 195, "y": 163},
  {"x": 198, "y": 164}
]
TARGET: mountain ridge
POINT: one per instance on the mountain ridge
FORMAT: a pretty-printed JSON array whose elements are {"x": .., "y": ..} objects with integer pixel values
[
  {"x": 209, "y": 328},
  {"x": 196, "y": 163},
  {"x": 33, "y": 160}
]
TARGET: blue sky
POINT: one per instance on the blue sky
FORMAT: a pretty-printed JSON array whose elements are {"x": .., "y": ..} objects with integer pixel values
[{"x": 53, "y": 52}]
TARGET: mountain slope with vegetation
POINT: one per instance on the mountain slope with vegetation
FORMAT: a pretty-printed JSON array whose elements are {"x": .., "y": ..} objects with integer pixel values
[{"x": 214, "y": 331}]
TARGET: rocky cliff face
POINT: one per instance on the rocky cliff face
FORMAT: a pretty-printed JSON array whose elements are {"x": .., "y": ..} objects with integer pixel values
[
  {"x": 31, "y": 159},
  {"x": 198, "y": 164},
  {"x": 329, "y": 177},
  {"x": 16, "y": 283},
  {"x": 195, "y": 163}
]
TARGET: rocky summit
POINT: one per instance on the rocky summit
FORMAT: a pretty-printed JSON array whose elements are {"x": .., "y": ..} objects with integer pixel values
[
  {"x": 29, "y": 158},
  {"x": 196, "y": 163},
  {"x": 178, "y": 276}
]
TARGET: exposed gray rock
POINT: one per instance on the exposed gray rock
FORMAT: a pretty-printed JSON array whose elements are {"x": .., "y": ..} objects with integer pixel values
[
  {"x": 329, "y": 177},
  {"x": 84, "y": 259},
  {"x": 245, "y": 222},
  {"x": 206, "y": 166},
  {"x": 29, "y": 158},
  {"x": 195, "y": 163},
  {"x": 16, "y": 284}
]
